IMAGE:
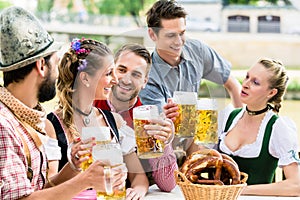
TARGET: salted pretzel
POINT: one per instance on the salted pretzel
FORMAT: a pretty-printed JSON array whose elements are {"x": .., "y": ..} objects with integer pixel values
[{"x": 211, "y": 167}]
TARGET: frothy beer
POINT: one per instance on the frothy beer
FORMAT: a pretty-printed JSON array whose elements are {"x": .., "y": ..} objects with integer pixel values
[
  {"x": 111, "y": 155},
  {"x": 147, "y": 146},
  {"x": 102, "y": 135},
  {"x": 207, "y": 122},
  {"x": 185, "y": 122}
]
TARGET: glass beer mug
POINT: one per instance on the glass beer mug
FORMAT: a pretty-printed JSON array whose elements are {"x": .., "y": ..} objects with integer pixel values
[
  {"x": 207, "y": 122},
  {"x": 111, "y": 155},
  {"x": 147, "y": 146},
  {"x": 102, "y": 135},
  {"x": 185, "y": 122}
]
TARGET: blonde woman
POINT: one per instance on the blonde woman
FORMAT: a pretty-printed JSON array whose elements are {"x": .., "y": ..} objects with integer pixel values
[
  {"x": 86, "y": 67},
  {"x": 257, "y": 138}
]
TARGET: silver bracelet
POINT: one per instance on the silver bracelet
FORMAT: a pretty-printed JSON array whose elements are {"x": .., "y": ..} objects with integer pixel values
[{"x": 70, "y": 159}]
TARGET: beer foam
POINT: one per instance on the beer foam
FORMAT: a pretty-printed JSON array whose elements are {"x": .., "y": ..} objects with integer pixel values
[
  {"x": 145, "y": 112},
  {"x": 108, "y": 153},
  {"x": 207, "y": 104},
  {"x": 185, "y": 98},
  {"x": 101, "y": 133}
]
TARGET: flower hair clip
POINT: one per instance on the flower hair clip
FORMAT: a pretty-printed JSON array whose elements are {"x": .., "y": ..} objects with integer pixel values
[
  {"x": 76, "y": 44},
  {"x": 83, "y": 65}
]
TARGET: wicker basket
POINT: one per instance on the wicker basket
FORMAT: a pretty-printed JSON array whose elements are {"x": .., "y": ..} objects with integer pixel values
[{"x": 208, "y": 192}]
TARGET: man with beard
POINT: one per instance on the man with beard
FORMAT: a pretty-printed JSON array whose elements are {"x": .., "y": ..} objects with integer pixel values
[
  {"x": 29, "y": 61},
  {"x": 132, "y": 67},
  {"x": 133, "y": 63}
]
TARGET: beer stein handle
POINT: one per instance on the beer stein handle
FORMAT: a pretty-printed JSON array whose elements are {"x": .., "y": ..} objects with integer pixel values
[{"x": 108, "y": 183}]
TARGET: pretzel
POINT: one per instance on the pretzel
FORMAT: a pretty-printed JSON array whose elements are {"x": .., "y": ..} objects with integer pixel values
[
  {"x": 233, "y": 171},
  {"x": 210, "y": 167},
  {"x": 198, "y": 155},
  {"x": 208, "y": 162}
]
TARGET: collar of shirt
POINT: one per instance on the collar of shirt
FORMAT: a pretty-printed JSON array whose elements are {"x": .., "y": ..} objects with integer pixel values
[
  {"x": 164, "y": 67},
  {"x": 35, "y": 117},
  {"x": 112, "y": 108}
]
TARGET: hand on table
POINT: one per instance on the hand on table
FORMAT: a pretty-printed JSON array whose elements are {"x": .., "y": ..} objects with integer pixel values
[{"x": 132, "y": 194}]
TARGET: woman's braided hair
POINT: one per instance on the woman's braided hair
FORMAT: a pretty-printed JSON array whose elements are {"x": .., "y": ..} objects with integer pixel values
[
  {"x": 278, "y": 80},
  {"x": 84, "y": 55}
]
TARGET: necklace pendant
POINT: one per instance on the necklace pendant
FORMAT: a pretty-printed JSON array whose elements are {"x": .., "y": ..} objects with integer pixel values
[{"x": 86, "y": 121}]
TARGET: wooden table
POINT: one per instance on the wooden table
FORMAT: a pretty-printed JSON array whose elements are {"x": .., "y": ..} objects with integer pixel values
[{"x": 176, "y": 194}]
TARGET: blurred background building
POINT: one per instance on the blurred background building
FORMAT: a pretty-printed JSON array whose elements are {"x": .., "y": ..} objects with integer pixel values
[{"x": 241, "y": 30}]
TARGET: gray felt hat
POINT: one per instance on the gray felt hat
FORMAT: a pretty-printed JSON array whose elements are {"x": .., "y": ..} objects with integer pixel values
[{"x": 23, "y": 39}]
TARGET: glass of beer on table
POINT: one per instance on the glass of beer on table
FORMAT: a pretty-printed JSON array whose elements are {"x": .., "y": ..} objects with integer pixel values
[
  {"x": 147, "y": 146},
  {"x": 185, "y": 122},
  {"x": 110, "y": 154},
  {"x": 207, "y": 122}
]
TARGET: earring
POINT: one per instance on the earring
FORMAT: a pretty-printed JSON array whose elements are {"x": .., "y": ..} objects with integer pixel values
[{"x": 87, "y": 85}]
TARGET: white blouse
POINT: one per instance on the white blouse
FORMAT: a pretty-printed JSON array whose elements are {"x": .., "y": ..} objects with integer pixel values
[
  {"x": 52, "y": 149},
  {"x": 283, "y": 141},
  {"x": 127, "y": 138}
]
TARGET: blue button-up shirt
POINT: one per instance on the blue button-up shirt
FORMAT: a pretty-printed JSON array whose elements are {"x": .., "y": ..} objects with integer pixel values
[{"x": 197, "y": 61}]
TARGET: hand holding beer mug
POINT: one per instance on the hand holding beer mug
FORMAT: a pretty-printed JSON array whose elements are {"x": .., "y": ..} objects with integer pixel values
[
  {"x": 207, "y": 122},
  {"x": 115, "y": 171},
  {"x": 185, "y": 122},
  {"x": 147, "y": 146},
  {"x": 101, "y": 134}
]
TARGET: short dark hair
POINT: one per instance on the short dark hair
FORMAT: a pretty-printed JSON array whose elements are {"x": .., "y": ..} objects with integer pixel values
[
  {"x": 164, "y": 9},
  {"x": 138, "y": 50},
  {"x": 18, "y": 75}
]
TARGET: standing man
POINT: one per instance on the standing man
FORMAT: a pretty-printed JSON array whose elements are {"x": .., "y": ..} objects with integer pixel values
[
  {"x": 179, "y": 64},
  {"x": 29, "y": 62},
  {"x": 133, "y": 63}
]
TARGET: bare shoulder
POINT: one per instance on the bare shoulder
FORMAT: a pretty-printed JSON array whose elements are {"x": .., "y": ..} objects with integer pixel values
[{"x": 49, "y": 128}]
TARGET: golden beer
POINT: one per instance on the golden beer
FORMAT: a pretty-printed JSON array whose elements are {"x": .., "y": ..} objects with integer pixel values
[
  {"x": 185, "y": 122},
  {"x": 207, "y": 122},
  {"x": 102, "y": 135},
  {"x": 111, "y": 155},
  {"x": 147, "y": 146},
  {"x": 84, "y": 165},
  {"x": 116, "y": 194}
]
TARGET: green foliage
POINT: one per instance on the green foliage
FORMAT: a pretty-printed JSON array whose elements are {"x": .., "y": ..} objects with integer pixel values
[
  {"x": 90, "y": 6},
  {"x": 124, "y": 7},
  {"x": 110, "y": 7},
  {"x": 294, "y": 85},
  {"x": 45, "y": 5},
  {"x": 4, "y": 4}
]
